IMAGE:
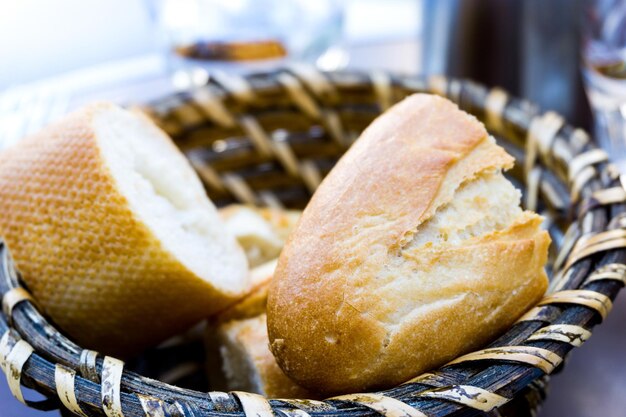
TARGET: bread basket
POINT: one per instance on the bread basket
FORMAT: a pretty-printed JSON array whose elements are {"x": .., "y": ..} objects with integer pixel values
[{"x": 269, "y": 139}]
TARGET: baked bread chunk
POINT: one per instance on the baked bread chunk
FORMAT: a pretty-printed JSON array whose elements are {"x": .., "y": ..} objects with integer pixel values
[
  {"x": 113, "y": 233},
  {"x": 412, "y": 251}
]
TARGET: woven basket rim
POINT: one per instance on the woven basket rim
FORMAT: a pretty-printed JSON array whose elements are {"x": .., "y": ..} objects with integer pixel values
[{"x": 589, "y": 272}]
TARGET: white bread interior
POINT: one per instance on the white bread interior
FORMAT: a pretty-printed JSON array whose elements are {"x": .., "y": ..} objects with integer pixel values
[
  {"x": 253, "y": 233},
  {"x": 481, "y": 206},
  {"x": 261, "y": 232},
  {"x": 237, "y": 338},
  {"x": 166, "y": 194}
]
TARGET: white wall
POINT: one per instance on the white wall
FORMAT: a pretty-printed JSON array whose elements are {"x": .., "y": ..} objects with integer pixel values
[
  {"x": 43, "y": 38},
  {"x": 40, "y": 38}
]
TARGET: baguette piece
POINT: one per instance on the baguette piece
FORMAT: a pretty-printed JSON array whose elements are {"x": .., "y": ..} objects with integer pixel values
[
  {"x": 412, "y": 251},
  {"x": 112, "y": 231},
  {"x": 261, "y": 232},
  {"x": 247, "y": 363}
]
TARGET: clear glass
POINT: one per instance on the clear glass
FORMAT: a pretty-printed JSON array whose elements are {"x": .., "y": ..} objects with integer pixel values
[
  {"x": 604, "y": 73},
  {"x": 244, "y": 35}
]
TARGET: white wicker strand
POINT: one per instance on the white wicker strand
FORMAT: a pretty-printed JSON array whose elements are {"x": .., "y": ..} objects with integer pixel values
[
  {"x": 260, "y": 140},
  {"x": 239, "y": 188},
  {"x": 310, "y": 175},
  {"x": 64, "y": 380},
  {"x": 567, "y": 333},
  {"x": 235, "y": 84},
  {"x": 254, "y": 405},
  {"x": 382, "y": 88},
  {"x": 15, "y": 361},
  {"x": 386, "y": 406},
  {"x": 313, "y": 78},
  {"x": 298, "y": 95},
  {"x": 152, "y": 407},
  {"x": 213, "y": 107},
  {"x": 112, "y": 370},
  {"x": 495, "y": 104},
  {"x": 12, "y": 298},
  {"x": 468, "y": 395},
  {"x": 5, "y": 348}
]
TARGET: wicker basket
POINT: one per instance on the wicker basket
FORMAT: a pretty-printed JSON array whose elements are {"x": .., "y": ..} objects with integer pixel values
[{"x": 268, "y": 139}]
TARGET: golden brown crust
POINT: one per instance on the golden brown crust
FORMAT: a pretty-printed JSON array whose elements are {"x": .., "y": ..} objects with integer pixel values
[
  {"x": 342, "y": 315},
  {"x": 92, "y": 265}
]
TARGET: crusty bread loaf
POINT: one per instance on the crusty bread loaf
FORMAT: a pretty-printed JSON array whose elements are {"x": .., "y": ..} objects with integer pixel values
[
  {"x": 247, "y": 363},
  {"x": 261, "y": 232},
  {"x": 113, "y": 233},
  {"x": 412, "y": 251}
]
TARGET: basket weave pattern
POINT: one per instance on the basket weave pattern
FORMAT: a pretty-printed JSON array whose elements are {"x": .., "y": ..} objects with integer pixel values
[{"x": 269, "y": 139}]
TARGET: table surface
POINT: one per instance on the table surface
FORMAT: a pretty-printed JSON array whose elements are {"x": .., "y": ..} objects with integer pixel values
[{"x": 593, "y": 382}]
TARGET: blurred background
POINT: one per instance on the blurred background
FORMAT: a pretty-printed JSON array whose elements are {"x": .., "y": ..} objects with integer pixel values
[
  {"x": 69, "y": 51},
  {"x": 565, "y": 55}
]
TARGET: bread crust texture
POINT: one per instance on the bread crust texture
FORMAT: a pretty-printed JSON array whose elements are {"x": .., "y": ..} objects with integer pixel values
[
  {"x": 92, "y": 265},
  {"x": 353, "y": 305}
]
